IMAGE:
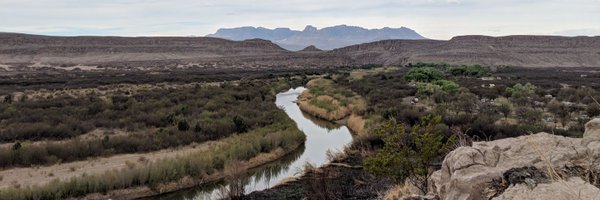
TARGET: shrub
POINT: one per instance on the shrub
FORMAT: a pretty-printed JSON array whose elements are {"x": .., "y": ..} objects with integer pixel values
[
  {"x": 409, "y": 156},
  {"x": 183, "y": 125},
  {"x": 593, "y": 109},
  {"x": 519, "y": 90},
  {"x": 438, "y": 89},
  {"x": 471, "y": 70},
  {"x": 423, "y": 74}
]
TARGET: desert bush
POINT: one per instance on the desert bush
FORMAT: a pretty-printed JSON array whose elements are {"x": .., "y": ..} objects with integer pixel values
[
  {"x": 437, "y": 86},
  {"x": 469, "y": 70},
  {"x": 423, "y": 74},
  {"x": 215, "y": 111},
  {"x": 409, "y": 155},
  {"x": 593, "y": 109}
]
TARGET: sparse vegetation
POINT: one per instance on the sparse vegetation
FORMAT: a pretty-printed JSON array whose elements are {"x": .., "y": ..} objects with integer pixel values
[
  {"x": 237, "y": 148},
  {"x": 410, "y": 156},
  {"x": 328, "y": 100},
  {"x": 157, "y": 120}
]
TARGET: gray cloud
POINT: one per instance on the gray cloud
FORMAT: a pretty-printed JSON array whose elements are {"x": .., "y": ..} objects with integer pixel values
[{"x": 440, "y": 19}]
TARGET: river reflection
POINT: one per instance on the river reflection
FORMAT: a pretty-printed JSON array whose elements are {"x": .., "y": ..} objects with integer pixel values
[{"x": 321, "y": 136}]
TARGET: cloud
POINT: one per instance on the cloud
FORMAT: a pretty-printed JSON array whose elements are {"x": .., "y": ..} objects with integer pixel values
[
  {"x": 439, "y": 19},
  {"x": 579, "y": 32}
]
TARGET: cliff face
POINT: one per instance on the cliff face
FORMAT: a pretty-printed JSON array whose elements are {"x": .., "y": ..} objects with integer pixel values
[{"x": 526, "y": 51}]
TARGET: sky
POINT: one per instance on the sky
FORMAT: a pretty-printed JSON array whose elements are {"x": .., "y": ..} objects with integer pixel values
[{"x": 435, "y": 19}]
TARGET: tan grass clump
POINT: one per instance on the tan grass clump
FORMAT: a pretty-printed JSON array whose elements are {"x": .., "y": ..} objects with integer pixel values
[{"x": 356, "y": 123}]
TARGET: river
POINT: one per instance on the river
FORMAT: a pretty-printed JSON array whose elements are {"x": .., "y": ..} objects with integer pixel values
[{"x": 321, "y": 136}]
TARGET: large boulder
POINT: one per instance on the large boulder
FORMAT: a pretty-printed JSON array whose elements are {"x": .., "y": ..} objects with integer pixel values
[
  {"x": 573, "y": 188},
  {"x": 592, "y": 133},
  {"x": 497, "y": 169}
]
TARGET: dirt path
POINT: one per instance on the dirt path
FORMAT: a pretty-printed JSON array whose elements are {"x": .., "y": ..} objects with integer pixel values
[{"x": 29, "y": 176}]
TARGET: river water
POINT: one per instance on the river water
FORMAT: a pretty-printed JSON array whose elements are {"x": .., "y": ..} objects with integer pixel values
[{"x": 321, "y": 136}]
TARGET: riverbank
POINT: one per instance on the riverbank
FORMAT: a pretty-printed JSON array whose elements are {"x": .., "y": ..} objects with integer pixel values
[
  {"x": 328, "y": 101},
  {"x": 252, "y": 149},
  {"x": 322, "y": 138},
  {"x": 190, "y": 182}
]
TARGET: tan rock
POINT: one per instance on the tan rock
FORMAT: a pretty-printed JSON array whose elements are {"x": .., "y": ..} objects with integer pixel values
[
  {"x": 467, "y": 171},
  {"x": 592, "y": 132},
  {"x": 573, "y": 188}
]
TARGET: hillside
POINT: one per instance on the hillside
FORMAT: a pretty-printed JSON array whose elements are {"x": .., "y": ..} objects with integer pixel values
[
  {"x": 147, "y": 52},
  {"x": 527, "y": 51},
  {"x": 22, "y": 52},
  {"x": 326, "y": 38}
]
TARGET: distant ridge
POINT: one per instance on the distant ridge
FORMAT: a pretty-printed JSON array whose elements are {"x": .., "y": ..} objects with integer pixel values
[
  {"x": 37, "y": 52},
  {"x": 326, "y": 38},
  {"x": 311, "y": 48},
  {"x": 516, "y": 50}
]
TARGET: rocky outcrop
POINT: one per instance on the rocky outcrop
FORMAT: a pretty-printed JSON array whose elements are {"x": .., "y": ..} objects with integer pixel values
[{"x": 538, "y": 166}]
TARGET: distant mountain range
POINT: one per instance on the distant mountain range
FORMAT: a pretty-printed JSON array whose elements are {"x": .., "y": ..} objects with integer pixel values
[
  {"x": 23, "y": 52},
  {"x": 326, "y": 38}
]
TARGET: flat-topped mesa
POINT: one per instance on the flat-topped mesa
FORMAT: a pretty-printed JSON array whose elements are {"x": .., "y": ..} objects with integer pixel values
[
  {"x": 529, "y": 41},
  {"x": 85, "y": 44},
  {"x": 524, "y": 51},
  {"x": 148, "y": 52}
]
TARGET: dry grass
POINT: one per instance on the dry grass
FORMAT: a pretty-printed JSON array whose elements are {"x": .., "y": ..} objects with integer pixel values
[
  {"x": 333, "y": 155},
  {"x": 554, "y": 173},
  {"x": 401, "y": 190},
  {"x": 356, "y": 123},
  {"x": 329, "y": 101},
  {"x": 322, "y": 113},
  {"x": 102, "y": 91},
  {"x": 234, "y": 175}
]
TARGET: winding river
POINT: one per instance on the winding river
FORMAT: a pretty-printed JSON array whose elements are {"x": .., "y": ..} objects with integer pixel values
[{"x": 321, "y": 136}]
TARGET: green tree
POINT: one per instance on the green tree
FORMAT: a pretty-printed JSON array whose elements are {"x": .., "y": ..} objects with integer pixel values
[
  {"x": 467, "y": 102},
  {"x": 183, "y": 125},
  {"x": 529, "y": 115},
  {"x": 16, "y": 146},
  {"x": 436, "y": 87},
  {"x": 8, "y": 99},
  {"x": 504, "y": 107},
  {"x": 239, "y": 124},
  {"x": 522, "y": 93},
  {"x": 423, "y": 74},
  {"x": 409, "y": 156},
  {"x": 560, "y": 110}
]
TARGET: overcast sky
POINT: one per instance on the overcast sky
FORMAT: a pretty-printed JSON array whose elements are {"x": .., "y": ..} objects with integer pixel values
[{"x": 436, "y": 19}]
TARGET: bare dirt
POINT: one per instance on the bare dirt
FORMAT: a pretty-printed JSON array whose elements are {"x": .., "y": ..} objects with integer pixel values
[{"x": 29, "y": 176}]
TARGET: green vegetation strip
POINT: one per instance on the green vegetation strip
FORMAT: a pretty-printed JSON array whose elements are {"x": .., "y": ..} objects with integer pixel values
[
  {"x": 243, "y": 147},
  {"x": 153, "y": 120}
]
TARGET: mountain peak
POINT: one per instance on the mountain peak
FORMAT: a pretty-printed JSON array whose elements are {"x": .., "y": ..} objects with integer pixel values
[
  {"x": 310, "y": 29},
  {"x": 327, "y": 38},
  {"x": 311, "y": 48}
]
